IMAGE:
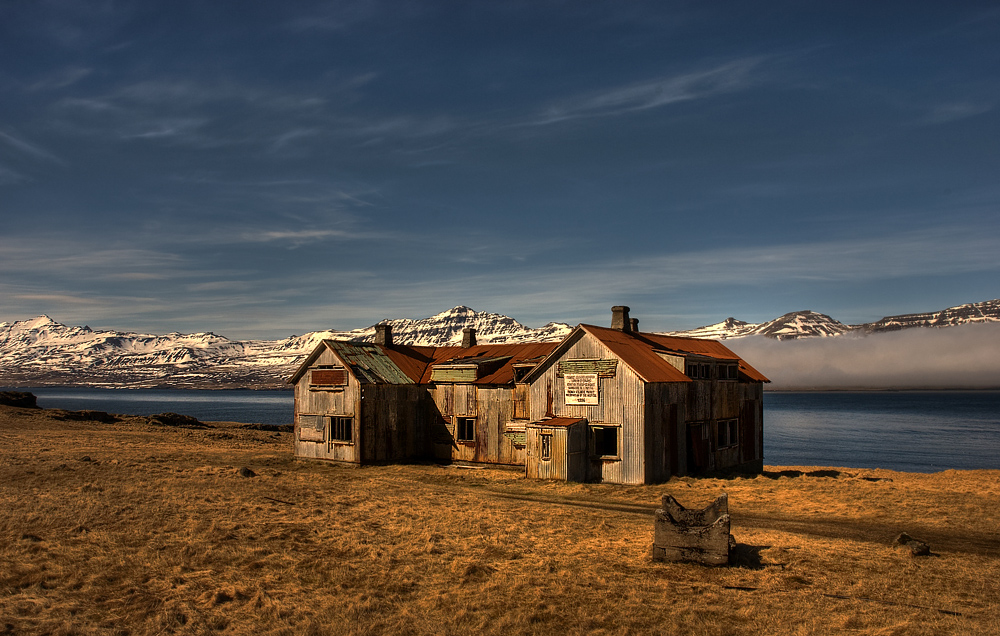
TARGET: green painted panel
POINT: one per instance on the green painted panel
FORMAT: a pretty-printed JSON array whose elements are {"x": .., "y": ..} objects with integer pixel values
[
  {"x": 518, "y": 438},
  {"x": 453, "y": 375},
  {"x": 603, "y": 368}
]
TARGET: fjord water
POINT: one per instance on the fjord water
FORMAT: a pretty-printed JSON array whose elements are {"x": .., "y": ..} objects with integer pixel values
[
  {"x": 252, "y": 407},
  {"x": 913, "y": 431}
]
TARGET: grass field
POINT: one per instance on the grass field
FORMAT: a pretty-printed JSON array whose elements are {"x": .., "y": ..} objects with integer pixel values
[{"x": 132, "y": 528}]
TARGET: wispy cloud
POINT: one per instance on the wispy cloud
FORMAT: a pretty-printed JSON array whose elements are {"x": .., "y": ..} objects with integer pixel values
[
  {"x": 954, "y": 111},
  {"x": 61, "y": 79},
  {"x": 28, "y": 148},
  {"x": 10, "y": 177},
  {"x": 729, "y": 77}
]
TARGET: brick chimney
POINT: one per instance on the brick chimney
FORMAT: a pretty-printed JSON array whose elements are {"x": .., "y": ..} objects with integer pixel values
[
  {"x": 619, "y": 318},
  {"x": 468, "y": 337},
  {"x": 635, "y": 325},
  {"x": 383, "y": 335}
]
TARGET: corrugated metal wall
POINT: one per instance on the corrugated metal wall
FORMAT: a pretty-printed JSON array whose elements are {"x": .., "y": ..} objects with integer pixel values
[
  {"x": 568, "y": 457},
  {"x": 621, "y": 403}
]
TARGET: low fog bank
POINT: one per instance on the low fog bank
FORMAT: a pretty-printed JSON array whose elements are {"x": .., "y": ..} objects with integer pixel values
[{"x": 967, "y": 356}]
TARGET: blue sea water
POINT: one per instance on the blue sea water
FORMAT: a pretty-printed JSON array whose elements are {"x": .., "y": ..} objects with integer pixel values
[
  {"x": 254, "y": 407},
  {"x": 913, "y": 431}
]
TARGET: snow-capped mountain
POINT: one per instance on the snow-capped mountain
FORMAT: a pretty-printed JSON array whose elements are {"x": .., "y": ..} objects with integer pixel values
[
  {"x": 42, "y": 351},
  {"x": 986, "y": 311},
  {"x": 808, "y": 324}
]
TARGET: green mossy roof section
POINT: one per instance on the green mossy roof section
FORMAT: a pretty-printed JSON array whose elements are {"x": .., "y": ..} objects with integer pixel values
[{"x": 368, "y": 362}]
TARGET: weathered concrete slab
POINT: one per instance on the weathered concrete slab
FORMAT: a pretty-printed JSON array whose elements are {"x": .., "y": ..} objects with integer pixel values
[{"x": 698, "y": 536}]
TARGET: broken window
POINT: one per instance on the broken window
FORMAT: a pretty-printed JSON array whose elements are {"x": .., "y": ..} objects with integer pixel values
[
  {"x": 545, "y": 440},
  {"x": 605, "y": 441},
  {"x": 729, "y": 372},
  {"x": 465, "y": 429},
  {"x": 727, "y": 433},
  {"x": 341, "y": 429}
]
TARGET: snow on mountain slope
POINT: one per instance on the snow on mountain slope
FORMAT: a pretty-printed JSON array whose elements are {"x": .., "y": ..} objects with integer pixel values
[
  {"x": 43, "y": 352},
  {"x": 728, "y": 328},
  {"x": 800, "y": 324},
  {"x": 808, "y": 324},
  {"x": 986, "y": 311}
]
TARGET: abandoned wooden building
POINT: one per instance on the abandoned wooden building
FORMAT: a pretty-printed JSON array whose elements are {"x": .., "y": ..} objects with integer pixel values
[{"x": 604, "y": 404}]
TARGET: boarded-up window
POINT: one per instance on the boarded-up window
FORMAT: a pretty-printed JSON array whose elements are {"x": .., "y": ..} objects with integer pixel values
[
  {"x": 312, "y": 428},
  {"x": 522, "y": 406},
  {"x": 328, "y": 377}
]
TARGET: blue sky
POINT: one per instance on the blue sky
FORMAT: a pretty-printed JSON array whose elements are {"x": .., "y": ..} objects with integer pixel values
[{"x": 261, "y": 169}]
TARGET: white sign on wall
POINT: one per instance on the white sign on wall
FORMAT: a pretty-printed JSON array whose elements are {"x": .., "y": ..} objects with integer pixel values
[{"x": 581, "y": 388}]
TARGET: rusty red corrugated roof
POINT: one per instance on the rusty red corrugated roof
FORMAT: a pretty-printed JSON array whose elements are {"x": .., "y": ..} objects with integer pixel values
[
  {"x": 559, "y": 421},
  {"x": 504, "y": 374},
  {"x": 639, "y": 351}
]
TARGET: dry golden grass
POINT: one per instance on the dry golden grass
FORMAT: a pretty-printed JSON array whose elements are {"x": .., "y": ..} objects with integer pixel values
[{"x": 158, "y": 533}]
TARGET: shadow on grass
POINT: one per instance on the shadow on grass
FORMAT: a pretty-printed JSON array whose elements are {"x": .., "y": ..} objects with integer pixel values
[
  {"x": 747, "y": 556},
  {"x": 798, "y": 473}
]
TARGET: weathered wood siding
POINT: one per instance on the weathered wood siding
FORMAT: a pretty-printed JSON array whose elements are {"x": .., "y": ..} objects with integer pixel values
[
  {"x": 621, "y": 402},
  {"x": 708, "y": 402},
  {"x": 492, "y": 407},
  {"x": 393, "y": 422},
  {"x": 340, "y": 401},
  {"x": 666, "y": 431}
]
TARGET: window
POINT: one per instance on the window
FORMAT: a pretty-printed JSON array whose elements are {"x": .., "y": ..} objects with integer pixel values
[
  {"x": 729, "y": 372},
  {"x": 341, "y": 429},
  {"x": 465, "y": 429},
  {"x": 727, "y": 432},
  {"x": 605, "y": 441},
  {"x": 545, "y": 440},
  {"x": 699, "y": 371}
]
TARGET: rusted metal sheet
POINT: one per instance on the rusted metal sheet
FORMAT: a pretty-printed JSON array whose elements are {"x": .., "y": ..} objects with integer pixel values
[{"x": 328, "y": 377}]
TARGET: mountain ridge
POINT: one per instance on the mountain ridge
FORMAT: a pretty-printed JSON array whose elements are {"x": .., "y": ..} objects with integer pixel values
[{"x": 43, "y": 352}]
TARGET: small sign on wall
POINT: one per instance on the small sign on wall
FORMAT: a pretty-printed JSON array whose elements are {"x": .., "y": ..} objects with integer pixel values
[{"x": 581, "y": 388}]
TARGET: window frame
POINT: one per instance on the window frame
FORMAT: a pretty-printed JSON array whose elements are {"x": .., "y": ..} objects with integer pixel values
[
  {"x": 545, "y": 447},
  {"x": 731, "y": 430},
  {"x": 465, "y": 436},
  {"x": 598, "y": 431},
  {"x": 339, "y": 424}
]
